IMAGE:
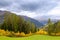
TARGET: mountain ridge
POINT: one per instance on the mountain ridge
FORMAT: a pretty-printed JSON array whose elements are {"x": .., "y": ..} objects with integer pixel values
[{"x": 37, "y": 23}]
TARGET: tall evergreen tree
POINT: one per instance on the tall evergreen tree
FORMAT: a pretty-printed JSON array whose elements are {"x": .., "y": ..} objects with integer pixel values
[
  {"x": 50, "y": 27},
  {"x": 13, "y": 22}
]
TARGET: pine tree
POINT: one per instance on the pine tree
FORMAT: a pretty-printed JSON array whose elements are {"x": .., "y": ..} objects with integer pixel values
[
  {"x": 13, "y": 22},
  {"x": 50, "y": 27}
]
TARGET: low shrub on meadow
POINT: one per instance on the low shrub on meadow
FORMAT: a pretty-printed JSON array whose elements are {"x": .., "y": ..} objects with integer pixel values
[
  {"x": 2, "y": 32},
  {"x": 13, "y": 34},
  {"x": 42, "y": 32}
]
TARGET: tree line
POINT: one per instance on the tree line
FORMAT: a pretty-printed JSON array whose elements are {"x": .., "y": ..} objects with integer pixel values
[
  {"x": 15, "y": 23},
  {"x": 53, "y": 28}
]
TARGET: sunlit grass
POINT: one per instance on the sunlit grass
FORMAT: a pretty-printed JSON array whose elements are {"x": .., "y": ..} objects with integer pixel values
[{"x": 34, "y": 37}]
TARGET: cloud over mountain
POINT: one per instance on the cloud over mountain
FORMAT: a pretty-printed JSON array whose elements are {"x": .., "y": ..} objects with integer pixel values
[{"x": 32, "y": 8}]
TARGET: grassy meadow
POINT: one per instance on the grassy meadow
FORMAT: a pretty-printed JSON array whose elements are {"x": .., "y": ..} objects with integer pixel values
[
  {"x": 15, "y": 27},
  {"x": 33, "y": 37}
]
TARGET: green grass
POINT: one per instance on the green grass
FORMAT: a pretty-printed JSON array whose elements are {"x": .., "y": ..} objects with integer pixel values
[{"x": 34, "y": 37}]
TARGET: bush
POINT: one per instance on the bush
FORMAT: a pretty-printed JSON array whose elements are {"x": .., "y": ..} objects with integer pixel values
[
  {"x": 55, "y": 34},
  {"x": 22, "y": 34},
  {"x": 17, "y": 34},
  {"x": 58, "y": 34},
  {"x": 2, "y": 32},
  {"x": 7, "y": 33},
  {"x": 28, "y": 34},
  {"x": 13, "y": 34},
  {"x": 42, "y": 32}
]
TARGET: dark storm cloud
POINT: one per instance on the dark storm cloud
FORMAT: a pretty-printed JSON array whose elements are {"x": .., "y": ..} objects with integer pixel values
[
  {"x": 37, "y": 5},
  {"x": 4, "y": 3},
  {"x": 28, "y": 5}
]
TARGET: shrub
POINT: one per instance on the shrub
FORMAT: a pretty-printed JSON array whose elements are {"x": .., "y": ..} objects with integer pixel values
[
  {"x": 2, "y": 32},
  {"x": 55, "y": 34},
  {"x": 42, "y": 32},
  {"x": 7, "y": 33},
  {"x": 22, "y": 34},
  {"x": 17, "y": 34},
  {"x": 58, "y": 34},
  {"x": 10, "y": 34},
  {"x": 13, "y": 34},
  {"x": 28, "y": 34}
]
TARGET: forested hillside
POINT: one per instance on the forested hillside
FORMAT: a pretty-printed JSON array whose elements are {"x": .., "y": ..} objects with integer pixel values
[{"x": 15, "y": 23}]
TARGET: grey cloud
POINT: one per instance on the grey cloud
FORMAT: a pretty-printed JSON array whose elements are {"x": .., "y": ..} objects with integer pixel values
[
  {"x": 41, "y": 6},
  {"x": 4, "y": 3},
  {"x": 28, "y": 5}
]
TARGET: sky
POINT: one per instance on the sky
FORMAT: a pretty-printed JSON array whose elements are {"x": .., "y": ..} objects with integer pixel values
[{"x": 37, "y": 9}]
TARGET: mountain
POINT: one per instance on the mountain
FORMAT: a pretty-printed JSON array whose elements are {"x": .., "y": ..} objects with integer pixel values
[
  {"x": 45, "y": 20},
  {"x": 37, "y": 23},
  {"x": 1, "y": 16}
]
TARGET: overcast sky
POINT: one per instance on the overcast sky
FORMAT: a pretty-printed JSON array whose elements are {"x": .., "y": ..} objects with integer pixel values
[{"x": 33, "y": 8}]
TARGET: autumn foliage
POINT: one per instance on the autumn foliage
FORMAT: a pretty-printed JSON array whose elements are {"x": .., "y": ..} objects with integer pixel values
[
  {"x": 42, "y": 32},
  {"x": 13, "y": 34}
]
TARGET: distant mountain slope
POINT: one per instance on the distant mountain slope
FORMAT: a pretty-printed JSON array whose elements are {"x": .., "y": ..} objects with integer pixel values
[
  {"x": 36, "y": 22},
  {"x": 46, "y": 21},
  {"x": 1, "y": 16}
]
